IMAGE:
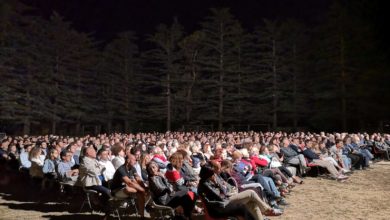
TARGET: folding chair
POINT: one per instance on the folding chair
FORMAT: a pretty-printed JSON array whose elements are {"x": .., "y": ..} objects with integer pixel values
[
  {"x": 87, "y": 199},
  {"x": 206, "y": 212},
  {"x": 128, "y": 203},
  {"x": 161, "y": 211}
]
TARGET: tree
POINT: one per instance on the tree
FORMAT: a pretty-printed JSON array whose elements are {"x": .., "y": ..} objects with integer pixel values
[
  {"x": 192, "y": 50},
  {"x": 164, "y": 62},
  {"x": 296, "y": 103},
  {"x": 270, "y": 66},
  {"x": 219, "y": 67},
  {"x": 121, "y": 65}
]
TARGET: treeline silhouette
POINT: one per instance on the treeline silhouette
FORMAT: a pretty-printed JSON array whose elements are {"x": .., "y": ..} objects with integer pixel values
[{"x": 282, "y": 74}]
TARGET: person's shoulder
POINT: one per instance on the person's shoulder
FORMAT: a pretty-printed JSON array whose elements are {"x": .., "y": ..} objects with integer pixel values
[{"x": 122, "y": 167}]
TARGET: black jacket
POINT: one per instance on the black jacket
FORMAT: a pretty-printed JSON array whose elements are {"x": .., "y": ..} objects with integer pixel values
[{"x": 160, "y": 189}]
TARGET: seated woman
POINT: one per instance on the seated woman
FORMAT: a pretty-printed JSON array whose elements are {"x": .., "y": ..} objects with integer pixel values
[
  {"x": 36, "y": 172},
  {"x": 244, "y": 169},
  {"x": 270, "y": 154},
  {"x": 220, "y": 204},
  {"x": 227, "y": 173},
  {"x": 50, "y": 164},
  {"x": 163, "y": 193}
]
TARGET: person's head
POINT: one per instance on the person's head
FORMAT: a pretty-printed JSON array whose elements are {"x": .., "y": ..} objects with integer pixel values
[
  {"x": 43, "y": 145},
  {"x": 152, "y": 169},
  {"x": 12, "y": 148},
  {"x": 186, "y": 155},
  {"x": 90, "y": 152},
  {"x": 244, "y": 153},
  {"x": 206, "y": 173},
  {"x": 66, "y": 155},
  {"x": 72, "y": 147},
  {"x": 103, "y": 154},
  {"x": 118, "y": 150},
  {"x": 296, "y": 141},
  {"x": 4, "y": 144},
  {"x": 27, "y": 147},
  {"x": 35, "y": 152},
  {"x": 130, "y": 160},
  {"x": 206, "y": 147},
  {"x": 347, "y": 140},
  {"x": 285, "y": 142},
  {"x": 53, "y": 154},
  {"x": 218, "y": 153},
  {"x": 176, "y": 160},
  {"x": 254, "y": 151},
  {"x": 158, "y": 151},
  {"x": 264, "y": 150},
  {"x": 237, "y": 155},
  {"x": 226, "y": 166},
  {"x": 144, "y": 159},
  {"x": 136, "y": 151},
  {"x": 216, "y": 166},
  {"x": 339, "y": 143}
]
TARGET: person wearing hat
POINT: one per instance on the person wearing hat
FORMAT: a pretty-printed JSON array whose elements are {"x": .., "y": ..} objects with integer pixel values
[{"x": 221, "y": 204}]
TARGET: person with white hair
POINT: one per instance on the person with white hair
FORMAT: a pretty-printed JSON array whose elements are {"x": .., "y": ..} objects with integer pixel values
[{"x": 160, "y": 159}]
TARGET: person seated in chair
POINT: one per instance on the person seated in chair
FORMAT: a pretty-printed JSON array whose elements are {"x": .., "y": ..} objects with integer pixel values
[
  {"x": 126, "y": 182},
  {"x": 163, "y": 193},
  {"x": 109, "y": 170},
  {"x": 221, "y": 204},
  {"x": 64, "y": 168},
  {"x": 50, "y": 165},
  {"x": 91, "y": 175}
]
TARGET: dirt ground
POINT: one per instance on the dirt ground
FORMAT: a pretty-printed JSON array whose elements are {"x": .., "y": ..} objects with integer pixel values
[{"x": 365, "y": 195}]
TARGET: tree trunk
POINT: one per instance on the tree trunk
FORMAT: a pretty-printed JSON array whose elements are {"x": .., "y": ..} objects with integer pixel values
[
  {"x": 127, "y": 126},
  {"x": 221, "y": 91},
  {"x": 274, "y": 94},
  {"x": 53, "y": 126},
  {"x": 343, "y": 86},
  {"x": 77, "y": 128},
  {"x": 295, "y": 107},
  {"x": 220, "y": 106},
  {"x": 97, "y": 129},
  {"x": 109, "y": 126},
  {"x": 239, "y": 87},
  {"x": 26, "y": 126},
  {"x": 168, "y": 102},
  {"x": 189, "y": 91},
  {"x": 26, "y": 121}
]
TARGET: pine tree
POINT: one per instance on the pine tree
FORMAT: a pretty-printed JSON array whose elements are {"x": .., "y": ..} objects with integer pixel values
[
  {"x": 164, "y": 68},
  {"x": 122, "y": 65},
  {"x": 270, "y": 66},
  {"x": 188, "y": 94},
  {"x": 219, "y": 67}
]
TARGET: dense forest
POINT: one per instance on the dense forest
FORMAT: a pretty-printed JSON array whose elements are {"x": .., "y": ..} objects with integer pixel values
[{"x": 280, "y": 74}]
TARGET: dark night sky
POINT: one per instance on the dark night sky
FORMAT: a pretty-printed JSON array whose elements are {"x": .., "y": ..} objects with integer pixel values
[{"x": 105, "y": 18}]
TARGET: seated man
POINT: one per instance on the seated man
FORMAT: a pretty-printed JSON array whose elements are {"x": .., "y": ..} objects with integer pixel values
[
  {"x": 64, "y": 168},
  {"x": 109, "y": 170},
  {"x": 292, "y": 157},
  {"x": 24, "y": 161},
  {"x": 319, "y": 161},
  {"x": 91, "y": 176},
  {"x": 126, "y": 182}
]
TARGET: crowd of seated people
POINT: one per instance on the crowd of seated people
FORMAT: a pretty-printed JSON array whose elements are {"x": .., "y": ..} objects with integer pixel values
[{"x": 247, "y": 175}]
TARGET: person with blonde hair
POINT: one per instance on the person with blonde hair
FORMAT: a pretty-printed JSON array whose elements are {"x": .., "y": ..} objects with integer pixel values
[{"x": 36, "y": 169}]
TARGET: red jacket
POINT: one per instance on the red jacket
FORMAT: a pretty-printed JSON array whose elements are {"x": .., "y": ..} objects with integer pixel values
[{"x": 255, "y": 161}]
